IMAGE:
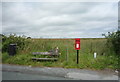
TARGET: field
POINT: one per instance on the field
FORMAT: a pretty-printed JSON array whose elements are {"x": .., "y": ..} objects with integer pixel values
[{"x": 105, "y": 56}]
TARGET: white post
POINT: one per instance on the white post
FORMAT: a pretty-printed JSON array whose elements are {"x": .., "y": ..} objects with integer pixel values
[{"x": 95, "y": 54}]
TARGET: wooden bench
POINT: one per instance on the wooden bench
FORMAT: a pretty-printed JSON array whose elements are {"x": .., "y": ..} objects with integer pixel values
[
  {"x": 47, "y": 59},
  {"x": 52, "y": 53}
]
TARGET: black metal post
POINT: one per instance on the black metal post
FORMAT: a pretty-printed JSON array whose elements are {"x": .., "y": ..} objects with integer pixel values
[{"x": 77, "y": 56}]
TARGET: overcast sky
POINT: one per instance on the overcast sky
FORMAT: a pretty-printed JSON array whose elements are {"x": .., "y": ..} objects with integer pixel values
[{"x": 59, "y": 19}]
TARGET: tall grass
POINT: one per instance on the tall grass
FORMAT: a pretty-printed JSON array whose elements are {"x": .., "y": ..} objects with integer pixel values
[{"x": 105, "y": 57}]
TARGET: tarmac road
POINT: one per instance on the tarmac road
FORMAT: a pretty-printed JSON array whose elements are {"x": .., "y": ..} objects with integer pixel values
[
  {"x": 50, "y": 73},
  {"x": 24, "y": 76}
]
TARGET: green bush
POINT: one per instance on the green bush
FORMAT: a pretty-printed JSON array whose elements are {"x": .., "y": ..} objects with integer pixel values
[
  {"x": 21, "y": 41},
  {"x": 113, "y": 41}
]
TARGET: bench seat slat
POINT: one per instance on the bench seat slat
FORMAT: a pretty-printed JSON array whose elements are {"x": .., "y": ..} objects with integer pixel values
[
  {"x": 45, "y": 53},
  {"x": 45, "y": 58}
]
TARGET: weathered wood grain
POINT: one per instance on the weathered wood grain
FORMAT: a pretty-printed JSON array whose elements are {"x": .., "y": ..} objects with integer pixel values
[
  {"x": 46, "y": 53},
  {"x": 54, "y": 59}
]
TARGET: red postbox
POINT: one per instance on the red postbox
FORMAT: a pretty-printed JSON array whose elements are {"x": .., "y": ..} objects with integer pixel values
[{"x": 77, "y": 43}]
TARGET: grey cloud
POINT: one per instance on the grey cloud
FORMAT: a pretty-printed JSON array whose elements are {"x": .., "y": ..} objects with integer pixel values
[
  {"x": 59, "y": 19},
  {"x": 0, "y": 17}
]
